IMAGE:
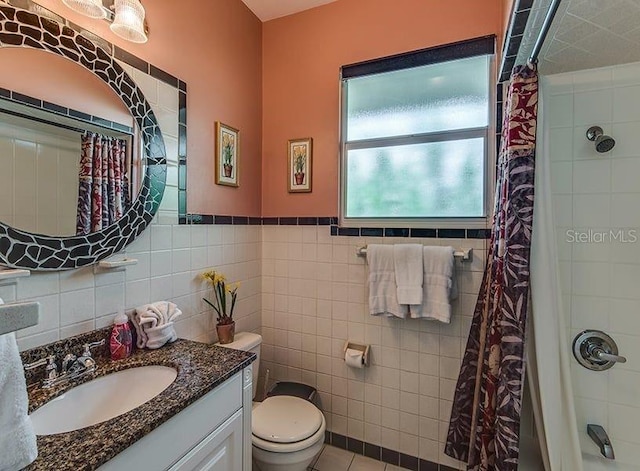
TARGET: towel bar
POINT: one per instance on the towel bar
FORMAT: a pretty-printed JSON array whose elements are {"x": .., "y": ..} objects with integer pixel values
[{"x": 463, "y": 254}]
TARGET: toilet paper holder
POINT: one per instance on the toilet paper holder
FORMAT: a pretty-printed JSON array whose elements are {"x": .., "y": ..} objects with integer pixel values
[{"x": 362, "y": 348}]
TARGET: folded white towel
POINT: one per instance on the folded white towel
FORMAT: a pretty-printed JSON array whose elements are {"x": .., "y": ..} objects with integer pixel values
[
  {"x": 407, "y": 259},
  {"x": 158, "y": 336},
  {"x": 438, "y": 284},
  {"x": 141, "y": 336},
  {"x": 17, "y": 439},
  {"x": 152, "y": 316},
  {"x": 383, "y": 296}
]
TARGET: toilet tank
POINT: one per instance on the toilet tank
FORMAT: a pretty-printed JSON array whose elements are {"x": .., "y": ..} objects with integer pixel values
[{"x": 248, "y": 342}]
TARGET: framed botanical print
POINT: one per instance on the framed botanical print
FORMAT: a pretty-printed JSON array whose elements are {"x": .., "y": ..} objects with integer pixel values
[
  {"x": 300, "y": 165},
  {"x": 227, "y": 155}
]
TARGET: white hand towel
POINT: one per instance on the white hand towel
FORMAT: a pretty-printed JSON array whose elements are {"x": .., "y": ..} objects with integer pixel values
[
  {"x": 383, "y": 297},
  {"x": 407, "y": 259},
  {"x": 155, "y": 316},
  {"x": 438, "y": 283},
  {"x": 141, "y": 337},
  {"x": 158, "y": 336},
  {"x": 17, "y": 440}
]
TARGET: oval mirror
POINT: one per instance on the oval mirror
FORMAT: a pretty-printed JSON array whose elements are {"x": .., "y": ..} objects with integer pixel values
[
  {"x": 41, "y": 148},
  {"x": 20, "y": 248}
]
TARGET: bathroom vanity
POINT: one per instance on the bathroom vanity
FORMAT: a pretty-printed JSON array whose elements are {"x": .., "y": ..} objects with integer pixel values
[{"x": 202, "y": 421}]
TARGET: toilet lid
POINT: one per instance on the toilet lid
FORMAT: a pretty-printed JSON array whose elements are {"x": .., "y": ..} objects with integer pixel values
[{"x": 285, "y": 419}]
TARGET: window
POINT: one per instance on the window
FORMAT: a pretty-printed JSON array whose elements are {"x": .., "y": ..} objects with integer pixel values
[{"x": 415, "y": 136}]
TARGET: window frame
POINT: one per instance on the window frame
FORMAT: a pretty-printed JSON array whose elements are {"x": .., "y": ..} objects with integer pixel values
[{"x": 484, "y": 46}]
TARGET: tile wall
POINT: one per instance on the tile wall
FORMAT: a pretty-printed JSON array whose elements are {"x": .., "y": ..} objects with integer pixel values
[
  {"x": 46, "y": 163},
  {"x": 598, "y": 195},
  {"x": 170, "y": 258},
  {"x": 314, "y": 297},
  {"x": 164, "y": 100}
]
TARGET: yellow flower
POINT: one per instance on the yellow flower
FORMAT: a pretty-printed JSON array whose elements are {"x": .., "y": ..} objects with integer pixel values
[{"x": 219, "y": 303}]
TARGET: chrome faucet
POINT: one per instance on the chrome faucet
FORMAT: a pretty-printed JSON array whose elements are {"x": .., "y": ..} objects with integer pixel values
[
  {"x": 51, "y": 372},
  {"x": 67, "y": 362},
  {"x": 600, "y": 437},
  {"x": 72, "y": 367}
]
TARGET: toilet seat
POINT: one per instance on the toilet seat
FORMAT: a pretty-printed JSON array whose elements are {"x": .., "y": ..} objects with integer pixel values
[{"x": 285, "y": 424}]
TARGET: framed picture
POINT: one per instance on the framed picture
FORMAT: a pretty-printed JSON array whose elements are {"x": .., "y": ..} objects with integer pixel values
[
  {"x": 227, "y": 155},
  {"x": 300, "y": 165}
]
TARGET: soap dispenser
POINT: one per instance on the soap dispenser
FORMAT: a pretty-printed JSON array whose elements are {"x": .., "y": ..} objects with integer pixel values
[{"x": 121, "y": 340}]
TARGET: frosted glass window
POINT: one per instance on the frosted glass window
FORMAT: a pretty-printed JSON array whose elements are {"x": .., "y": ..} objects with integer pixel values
[
  {"x": 414, "y": 142},
  {"x": 432, "y": 98},
  {"x": 441, "y": 179}
]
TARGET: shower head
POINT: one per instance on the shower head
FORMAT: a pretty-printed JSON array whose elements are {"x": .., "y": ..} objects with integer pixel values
[{"x": 603, "y": 142}]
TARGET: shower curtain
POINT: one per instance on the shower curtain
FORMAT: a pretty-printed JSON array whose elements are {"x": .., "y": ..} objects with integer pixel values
[
  {"x": 485, "y": 419},
  {"x": 548, "y": 355},
  {"x": 103, "y": 195}
]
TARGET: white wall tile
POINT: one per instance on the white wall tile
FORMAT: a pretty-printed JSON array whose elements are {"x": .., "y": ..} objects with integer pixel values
[
  {"x": 592, "y": 176},
  {"x": 77, "y": 306},
  {"x": 593, "y": 107},
  {"x": 600, "y": 279},
  {"x": 560, "y": 111}
]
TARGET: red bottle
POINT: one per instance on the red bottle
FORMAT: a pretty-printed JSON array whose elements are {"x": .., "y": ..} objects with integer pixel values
[{"x": 121, "y": 341}]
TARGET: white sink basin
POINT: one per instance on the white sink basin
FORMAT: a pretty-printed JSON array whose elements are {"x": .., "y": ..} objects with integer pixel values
[{"x": 102, "y": 399}]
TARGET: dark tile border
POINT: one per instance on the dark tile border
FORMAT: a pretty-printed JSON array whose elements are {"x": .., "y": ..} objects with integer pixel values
[
  {"x": 355, "y": 446},
  {"x": 382, "y": 454},
  {"x": 341, "y": 231},
  {"x": 517, "y": 24},
  {"x": 31, "y": 102},
  {"x": 373, "y": 451}
]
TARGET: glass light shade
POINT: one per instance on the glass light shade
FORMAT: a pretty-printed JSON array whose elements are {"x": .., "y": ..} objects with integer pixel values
[
  {"x": 90, "y": 8},
  {"x": 129, "y": 21}
]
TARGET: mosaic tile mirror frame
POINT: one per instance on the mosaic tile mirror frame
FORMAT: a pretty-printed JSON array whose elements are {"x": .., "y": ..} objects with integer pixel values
[{"x": 20, "y": 249}]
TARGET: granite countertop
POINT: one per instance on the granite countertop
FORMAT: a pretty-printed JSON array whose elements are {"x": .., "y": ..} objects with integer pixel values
[{"x": 200, "y": 367}]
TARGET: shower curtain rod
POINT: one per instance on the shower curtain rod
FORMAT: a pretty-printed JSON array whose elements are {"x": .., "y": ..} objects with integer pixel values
[
  {"x": 546, "y": 25},
  {"x": 61, "y": 125}
]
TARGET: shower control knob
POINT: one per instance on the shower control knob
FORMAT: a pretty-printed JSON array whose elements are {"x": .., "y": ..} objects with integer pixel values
[
  {"x": 601, "y": 355},
  {"x": 596, "y": 351}
]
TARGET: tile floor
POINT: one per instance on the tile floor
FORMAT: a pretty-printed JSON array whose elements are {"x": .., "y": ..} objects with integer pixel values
[{"x": 335, "y": 459}]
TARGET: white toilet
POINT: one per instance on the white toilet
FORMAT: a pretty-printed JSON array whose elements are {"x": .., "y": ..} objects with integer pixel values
[{"x": 287, "y": 431}]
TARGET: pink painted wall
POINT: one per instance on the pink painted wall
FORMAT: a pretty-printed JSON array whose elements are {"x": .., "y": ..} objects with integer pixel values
[
  {"x": 60, "y": 83},
  {"x": 216, "y": 48},
  {"x": 302, "y": 55}
]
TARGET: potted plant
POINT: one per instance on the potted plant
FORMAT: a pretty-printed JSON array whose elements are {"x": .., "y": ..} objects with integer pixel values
[
  {"x": 226, "y": 326},
  {"x": 227, "y": 154},
  {"x": 299, "y": 161}
]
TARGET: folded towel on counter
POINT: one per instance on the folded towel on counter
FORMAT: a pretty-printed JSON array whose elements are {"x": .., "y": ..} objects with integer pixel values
[
  {"x": 407, "y": 259},
  {"x": 438, "y": 284},
  {"x": 158, "y": 336},
  {"x": 154, "y": 324},
  {"x": 383, "y": 296},
  {"x": 17, "y": 439}
]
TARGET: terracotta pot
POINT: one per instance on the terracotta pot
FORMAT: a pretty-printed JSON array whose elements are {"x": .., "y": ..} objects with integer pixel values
[
  {"x": 226, "y": 332},
  {"x": 299, "y": 178},
  {"x": 227, "y": 170}
]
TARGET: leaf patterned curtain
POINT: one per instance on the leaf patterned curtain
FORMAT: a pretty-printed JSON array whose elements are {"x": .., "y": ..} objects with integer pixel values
[
  {"x": 484, "y": 429},
  {"x": 103, "y": 195}
]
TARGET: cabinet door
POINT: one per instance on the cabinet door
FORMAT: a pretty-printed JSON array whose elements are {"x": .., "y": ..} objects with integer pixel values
[{"x": 219, "y": 451}]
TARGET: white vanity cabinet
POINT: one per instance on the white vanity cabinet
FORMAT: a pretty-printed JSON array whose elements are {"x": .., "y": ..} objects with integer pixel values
[{"x": 212, "y": 434}]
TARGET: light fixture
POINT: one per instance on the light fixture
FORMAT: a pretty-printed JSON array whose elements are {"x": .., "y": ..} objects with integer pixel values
[
  {"x": 129, "y": 21},
  {"x": 90, "y": 8},
  {"x": 127, "y": 17}
]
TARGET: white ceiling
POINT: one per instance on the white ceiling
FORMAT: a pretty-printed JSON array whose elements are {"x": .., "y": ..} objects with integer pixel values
[
  {"x": 586, "y": 34},
  {"x": 269, "y": 9}
]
